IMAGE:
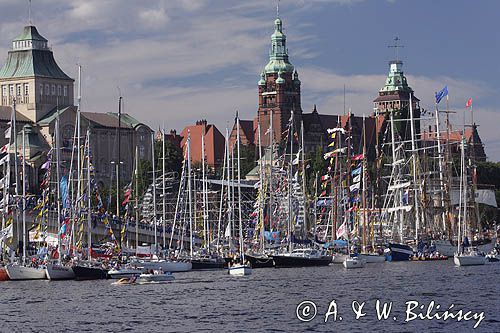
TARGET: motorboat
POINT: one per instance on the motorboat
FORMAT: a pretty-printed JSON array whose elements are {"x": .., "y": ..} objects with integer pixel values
[
  {"x": 156, "y": 276},
  {"x": 124, "y": 272},
  {"x": 240, "y": 270},
  {"x": 354, "y": 262}
]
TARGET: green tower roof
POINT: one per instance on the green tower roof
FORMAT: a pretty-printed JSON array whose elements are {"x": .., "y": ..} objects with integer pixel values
[
  {"x": 278, "y": 56},
  {"x": 30, "y": 33}
]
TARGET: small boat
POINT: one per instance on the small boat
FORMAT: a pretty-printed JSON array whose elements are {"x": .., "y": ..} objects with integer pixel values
[
  {"x": 471, "y": 258},
  {"x": 398, "y": 252},
  {"x": 59, "y": 272},
  {"x": 240, "y": 270},
  {"x": 448, "y": 248},
  {"x": 372, "y": 258},
  {"x": 302, "y": 258},
  {"x": 354, "y": 262},
  {"x": 90, "y": 272},
  {"x": 125, "y": 272},
  {"x": 3, "y": 274},
  {"x": 155, "y": 277},
  {"x": 259, "y": 260},
  {"x": 339, "y": 258},
  {"x": 433, "y": 258},
  {"x": 165, "y": 265},
  {"x": 207, "y": 263},
  {"x": 124, "y": 281},
  {"x": 20, "y": 272},
  {"x": 489, "y": 258}
]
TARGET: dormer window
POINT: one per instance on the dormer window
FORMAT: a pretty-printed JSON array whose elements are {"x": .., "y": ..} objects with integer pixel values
[{"x": 47, "y": 90}]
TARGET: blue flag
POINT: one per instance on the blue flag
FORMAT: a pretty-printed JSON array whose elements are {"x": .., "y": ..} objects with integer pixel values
[
  {"x": 441, "y": 94},
  {"x": 63, "y": 187}
]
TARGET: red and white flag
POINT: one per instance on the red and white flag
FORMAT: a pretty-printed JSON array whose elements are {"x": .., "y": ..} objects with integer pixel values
[
  {"x": 341, "y": 231},
  {"x": 4, "y": 149},
  {"x": 469, "y": 103}
]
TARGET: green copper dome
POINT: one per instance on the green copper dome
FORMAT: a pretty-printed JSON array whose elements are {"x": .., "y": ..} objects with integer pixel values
[
  {"x": 396, "y": 81},
  {"x": 278, "y": 56}
]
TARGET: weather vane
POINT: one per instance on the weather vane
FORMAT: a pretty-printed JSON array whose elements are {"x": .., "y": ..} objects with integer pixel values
[
  {"x": 396, "y": 46},
  {"x": 29, "y": 12},
  {"x": 278, "y": 8}
]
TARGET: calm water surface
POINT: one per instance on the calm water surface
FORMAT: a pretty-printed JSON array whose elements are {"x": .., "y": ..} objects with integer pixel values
[{"x": 266, "y": 301}]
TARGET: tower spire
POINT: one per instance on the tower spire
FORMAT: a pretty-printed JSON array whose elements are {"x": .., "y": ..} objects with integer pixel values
[
  {"x": 396, "y": 46},
  {"x": 29, "y": 13},
  {"x": 278, "y": 8}
]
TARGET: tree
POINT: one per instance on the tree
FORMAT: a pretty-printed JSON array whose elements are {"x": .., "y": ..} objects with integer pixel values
[{"x": 173, "y": 157}]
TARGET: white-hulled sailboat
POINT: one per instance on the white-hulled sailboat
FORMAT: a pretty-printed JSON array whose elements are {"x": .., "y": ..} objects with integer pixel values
[
  {"x": 22, "y": 271},
  {"x": 464, "y": 256},
  {"x": 239, "y": 269},
  {"x": 55, "y": 270}
]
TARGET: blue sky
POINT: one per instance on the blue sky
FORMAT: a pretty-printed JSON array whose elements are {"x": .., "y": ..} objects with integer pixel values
[{"x": 177, "y": 61}]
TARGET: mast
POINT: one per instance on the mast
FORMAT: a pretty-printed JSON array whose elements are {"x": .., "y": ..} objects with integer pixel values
[
  {"x": 222, "y": 192},
  {"x": 203, "y": 188},
  {"x": 154, "y": 193},
  {"x": 79, "y": 162},
  {"x": 190, "y": 196},
  {"x": 261, "y": 189},
  {"x": 118, "y": 167},
  {"x": 242, "y": 253},
  {"x": 89, "y": 213},
  {"x": 398, "y": 196},
  {"x": 136, "y": 200},
  {"x": 58, "y": 178},
  {"x": 24, "y": 194},
  {"x": 303, "y": 173},
  {"x": 164, "y": 210},
  {"x": 16, "y": 171},
  {"x": 441, "y": 171},
  {"x": 290, "y": 175},
  {"x": 414, "y": 160},
  {"x": 271, "y": 145},
  {"x": 363, "y": 198}
]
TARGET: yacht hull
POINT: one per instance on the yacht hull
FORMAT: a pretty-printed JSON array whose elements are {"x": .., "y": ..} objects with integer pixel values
[
  {"x": 240, "y": 270},
  {"x": 259, "y": 261},
  {"x": 371, "y": 258},
  {"x": 89, "y": 273},
  {"x": 350, "y": 263},
  {"x": 448, "y": 249},
  {"x": 469, "y": 260},
  {"x": 291, "y": 261},
  {"x": 17, "y": 272},
  {"x": 400, "y": 252},
  {"x": 3, "y": 274},
  {"x": 59, "y": 272}
]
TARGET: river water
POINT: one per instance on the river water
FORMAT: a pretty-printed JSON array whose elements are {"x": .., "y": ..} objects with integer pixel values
[{"x": 266, "y": 301}]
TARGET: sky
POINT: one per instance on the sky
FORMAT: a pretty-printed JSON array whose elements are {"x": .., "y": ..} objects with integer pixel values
[{"x": 179, "y": 61}]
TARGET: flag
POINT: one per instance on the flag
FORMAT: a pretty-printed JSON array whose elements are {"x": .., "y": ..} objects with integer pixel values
[
  {"x": 356, "y": 171},
  {"x": 45, "y": 165},
  {"x": 341, "y": 231},
  {"x": 469, "y": 103},
  {"x": 336, "y": 129},
  {"x": 332, "y": 144},
  {"x": 354, "y": 187},
  {"x": 63, "y": 188},
  {"x": 4, "y": 149},
  {"x": 6, "y": 233},
  {"x": 357, "y": 157},
  {"x": 441, "y": 94},
  {"x": 357, "y": 179},
  {"x": 7, "y": 133}
]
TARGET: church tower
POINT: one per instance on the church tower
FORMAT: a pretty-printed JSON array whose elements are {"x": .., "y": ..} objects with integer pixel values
[
  {"x": 32, "y": 77},
  {"x": 279, "y": 89},
  {"x": 394, "y": 97}
]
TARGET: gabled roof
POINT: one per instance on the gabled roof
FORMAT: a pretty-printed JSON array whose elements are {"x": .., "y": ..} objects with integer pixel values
[
  {"x": 104, "y": 120},
  {"x": 126, "y": 119},
  {"x": 5, "y": 115},
  {"x": 52, "y": 114}
]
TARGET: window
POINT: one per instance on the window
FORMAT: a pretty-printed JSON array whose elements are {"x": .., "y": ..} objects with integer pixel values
[
  {"x": 141, "y": 151},
  {"x": 59, "y": 89},
  {"x": 65, "y": 91},
  {"x": 18, "y": 89},
  {"x": 4, "y": 90},
  {"x": 26, "y": 89},
  {"x": 41, "y": 90},
  {"x": 47, "y": 90},
  {"x": 11, "y": 90},
  {"x": 53, "y": 89}
]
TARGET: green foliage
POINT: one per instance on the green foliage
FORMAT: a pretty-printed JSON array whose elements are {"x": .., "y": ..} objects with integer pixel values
[{"x": 173, "y": 157}]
